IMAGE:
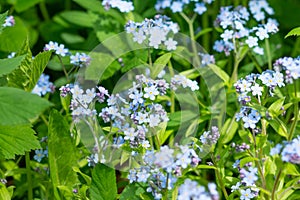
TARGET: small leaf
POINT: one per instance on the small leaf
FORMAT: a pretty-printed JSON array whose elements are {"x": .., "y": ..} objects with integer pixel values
[
  {"x": 132, "y": 192},
  {"x": 15, "y": 140},
  {"x": 247, "y": 160},
  {"x": 104, "y": 185},
  {"x": 22, "y": 5},
  {"x": 160, "y": 64},
  {"x": 228, "y": 130},
  {"x": 279, "y": 127},
  {"x": 293, "y": 32},
  {"x": 79, "y": 18},
  {"x": 206, "y": 167},
  {"x": 275, "y": 108},
  {"x": 9, "y": 64},
  {"x": 19, "y": 107}
]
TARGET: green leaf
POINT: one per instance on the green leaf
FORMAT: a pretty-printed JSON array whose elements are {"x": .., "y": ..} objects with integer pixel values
[
  {"x": 29, "y": 72},
  {"x": 275, "y": 108},
  {"x": 132, "y": 192},
  {"x": 159, "y": 64},
  {"x": 279, "y": 127},
  {"x": 4, "y": 193},
  {"x": 92, "y": 5},
  {"x": 206, "y": 167},
  {"x": 13, "y": 37},
  {"x": 62, "y": 153},
  {"x": 78, "y": 18},
  {"x": 228, "y": 130},
  {"x": 220, "y": 73},
  {"x": 9, "y": 64},
  {"x": 15, "y": 140},
  {"x": 104, "y": 185},
  {"x": 247, "y": 160},
  {"x": 2, "y": 20},
  {"x": 20, "y": 107},
  {"x": 22, "y": 5},
  {"x": 293, "y": 32}
]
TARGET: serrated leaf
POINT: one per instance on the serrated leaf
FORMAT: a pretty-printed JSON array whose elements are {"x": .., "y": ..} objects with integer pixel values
[
  {"x": 16, "y": 140},
  {"x": 20, "y": 107},
  {"x": 293, "y": 32},
  {"x": 160, "y": 64},
  {"x": 2, "y": 20},
  {"x": 29, "y": 72},
  {"x": 62, "y": 153},
  {"x": 9, "y": 64},
  {"x": 104, "y": 185}
]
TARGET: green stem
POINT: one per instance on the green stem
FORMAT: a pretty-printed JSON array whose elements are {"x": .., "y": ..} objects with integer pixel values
[
  {"x": 44, "y": 10},
  {"x": 234, "y": 75},
  {"x": 296, "y": 113},
  {"x": 206, "y": 37},
  {"x": 172, "y": 97},
  {"x": 256, "y": 64},
  {"x": 268, "y": 53},
  {"x": 29, "y": 177},
  {"x": 274, "y": 190},
  {"x": 63, "y": 67},
  {"x": 220, "y": 180},
  {"x": 190, "y": 23}
]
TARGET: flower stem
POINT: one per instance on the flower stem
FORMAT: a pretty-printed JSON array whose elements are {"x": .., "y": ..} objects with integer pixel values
[
  {"x": 296, "y": 113},
  {"x": 63, "y": 67},
  {"x": 234, "y": 75},
  {"x": 276, "y": 184},
  {"x": 29, "y": 177},
  {"x": 220, "y": 180},
  {"x": 268, "y": 53}
]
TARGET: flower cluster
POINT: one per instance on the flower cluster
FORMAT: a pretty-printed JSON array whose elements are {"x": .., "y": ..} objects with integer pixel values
[
  {"x": 192, "y": 190},
  {"x": 210, "y": 137},
  {"x": 290, "y": 152},
  {"x": 9, "y": 21},
  {"x": 163, "y": 167},
  {"x": 179, "y": 80},
  {"x": 59, "y": 49},
  {"x": 234, "y": 22},
  {"x": 178, "y": 5},
  {"x": 43, "y": 86},
  {"x": 123, "y": 6},
  {"x": 247, "y": 185},
  {"x": 249, "y": 116},
  {"x": 291, "y": 67},
  {"x": 154, "y": 32},
  {"x": 80, "y": 59},
  {"x": 207, "y": 59}
]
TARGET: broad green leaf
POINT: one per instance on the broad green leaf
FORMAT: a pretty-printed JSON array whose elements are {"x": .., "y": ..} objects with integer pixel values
[
  {"x": 79, "y": 18},
  {"x": 22, "y": 5},
  {"x": 293, "y": 32},
  {"x": 62, "y": 153},
  {"x": 9, "y": 64},
  {"x": 132, "y": 192},
  {"x": 162, "y": 134},
  {"x": 29, "y": 72},
  {"x": 220, "y": 73},
  {"x": 72, "y": 38},
  {"x": 270, "y": 167},
  {"x": 159, "y": 64},
  {"x": 15, "y": 140},
  {"x": 13, "y": 37},
  {"x": 20, "y": 107},
  {"x": 87, "y": 179},
  {"x": 104, "y": 185}
]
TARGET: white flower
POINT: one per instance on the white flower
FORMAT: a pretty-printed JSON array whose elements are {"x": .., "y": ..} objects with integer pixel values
[
  {"x": 139, "y": 37},
  {"x": 51, "y": 46},
  {"x": 145, "y": 144},
  {"x": 262, "y": 33},
  {"x": 154, "y": 120},
  {"x": 256, "y": 90},
  {"x": 150, "y": 92},
  {"x": 252, "y": 41},
  {"x": 200, "y": 8},
  {"x": 227, "y": 35},
  {"x": 258, "y": 50},
  {"x": 171, "y": 44},
  {"x": 130, "y": 134},
  {"x": 142, "y": 117},
  {"x": 61, "y": 50},
  {"x": 177, "y": 6}
]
